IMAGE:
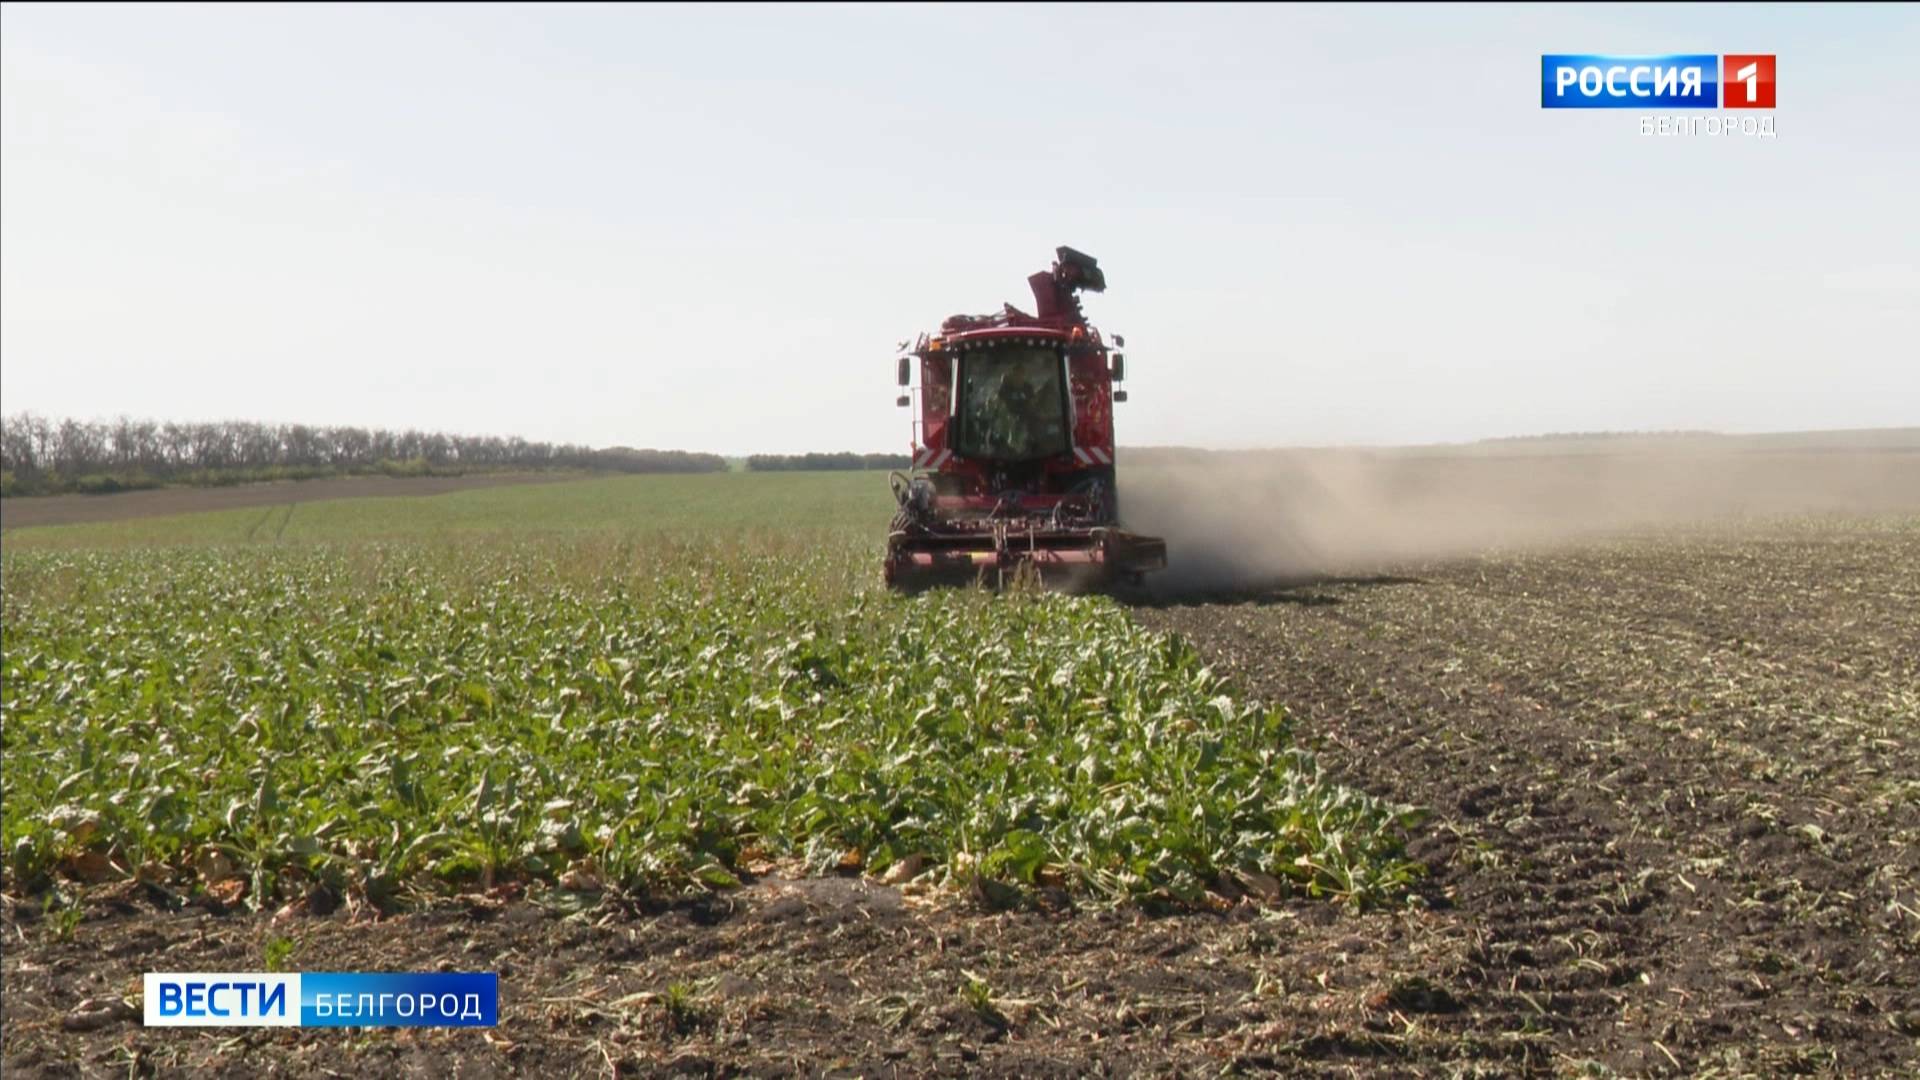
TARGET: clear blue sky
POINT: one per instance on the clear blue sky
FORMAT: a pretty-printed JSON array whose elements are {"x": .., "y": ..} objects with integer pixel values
[{"x": 707, "y": 227}]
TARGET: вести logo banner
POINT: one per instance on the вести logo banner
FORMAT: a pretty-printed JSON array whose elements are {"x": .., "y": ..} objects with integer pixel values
[{"x": 322, "y": 999}]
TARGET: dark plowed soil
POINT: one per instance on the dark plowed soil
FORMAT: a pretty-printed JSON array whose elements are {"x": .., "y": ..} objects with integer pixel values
[
  {"x": 26, "y": 511},
  {"x": 1676, "y": 786},
  {"x": 1676, "y": 801}
]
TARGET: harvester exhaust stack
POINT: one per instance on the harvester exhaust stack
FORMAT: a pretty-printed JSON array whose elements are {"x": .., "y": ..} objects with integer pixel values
[{"x": 1014, "y": 464}]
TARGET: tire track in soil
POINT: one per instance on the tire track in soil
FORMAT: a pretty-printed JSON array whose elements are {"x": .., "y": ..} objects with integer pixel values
[
  {"x": 1539, "y": 889},
  {"x": 1623, "y": 903},
  {"x": 1712, "y": 598}
]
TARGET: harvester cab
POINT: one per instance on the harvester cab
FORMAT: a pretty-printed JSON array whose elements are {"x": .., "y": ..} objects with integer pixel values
[{"x": 1013, "y": 452}]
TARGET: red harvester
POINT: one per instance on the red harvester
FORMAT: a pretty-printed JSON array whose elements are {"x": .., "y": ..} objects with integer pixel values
[{"x": 1013, "y": 463}]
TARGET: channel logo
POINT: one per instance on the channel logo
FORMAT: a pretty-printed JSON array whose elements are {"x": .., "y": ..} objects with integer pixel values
[
  {"x": 321, "y": 999},
  {"x": 1678, "y": 81}
]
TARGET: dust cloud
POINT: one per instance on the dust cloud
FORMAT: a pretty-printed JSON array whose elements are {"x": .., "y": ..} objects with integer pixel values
[{"x": 1250, "y": 520}]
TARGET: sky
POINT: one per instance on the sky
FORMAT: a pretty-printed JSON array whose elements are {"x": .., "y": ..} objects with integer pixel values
[{"x": 707, "y": 227}]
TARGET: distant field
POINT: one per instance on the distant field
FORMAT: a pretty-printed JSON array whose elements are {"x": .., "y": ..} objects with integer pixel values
[
  {"x": 35, "y": 510},
  {"x": 733, "y": 502},
  {"x": 1905, "y": 440},
  {"x": 1899, "y": 440}
]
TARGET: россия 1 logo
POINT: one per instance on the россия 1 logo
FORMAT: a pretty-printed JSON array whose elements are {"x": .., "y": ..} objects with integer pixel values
[{"x": 1679, "y": 81}]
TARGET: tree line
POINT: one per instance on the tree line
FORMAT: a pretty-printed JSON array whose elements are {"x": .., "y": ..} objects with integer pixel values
[
  {"x": 817, "y": 462},
  {"x": 40, "y": 455}
]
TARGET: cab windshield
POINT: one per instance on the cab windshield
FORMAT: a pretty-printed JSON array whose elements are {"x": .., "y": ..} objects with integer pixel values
[{"x": 1013, "y": 404}]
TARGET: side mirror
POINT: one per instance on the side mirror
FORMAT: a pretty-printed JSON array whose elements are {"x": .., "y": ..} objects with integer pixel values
[
  {"x": 1120, "y": 397},
  {"x": 1119, "y": 367},
  {"x": 1119, "y": 342},
  {"x": 906, "y": 371},
  {"x": 902, "y": 401}
]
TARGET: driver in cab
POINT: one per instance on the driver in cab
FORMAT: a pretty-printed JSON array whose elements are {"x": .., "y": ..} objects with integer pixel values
[{"x": 1025, "y": 418}]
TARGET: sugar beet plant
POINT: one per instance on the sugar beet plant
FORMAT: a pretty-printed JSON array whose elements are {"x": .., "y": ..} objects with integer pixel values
[{"x": 387, "y": 719}]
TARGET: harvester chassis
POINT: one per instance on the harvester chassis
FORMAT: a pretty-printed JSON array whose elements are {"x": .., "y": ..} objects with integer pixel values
[{"x": 1070, "y": 541}]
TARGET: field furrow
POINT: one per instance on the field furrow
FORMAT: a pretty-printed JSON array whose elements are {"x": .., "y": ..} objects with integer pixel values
[{"x": 1672, "y": 823}]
